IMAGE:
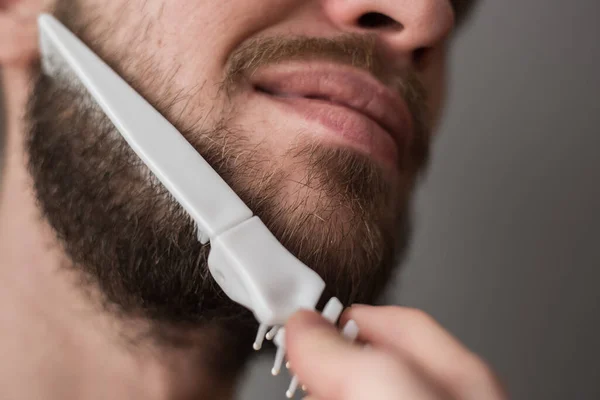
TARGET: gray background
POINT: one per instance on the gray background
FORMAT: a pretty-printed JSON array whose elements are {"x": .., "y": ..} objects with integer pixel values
[{"x": 507, "y": 250}]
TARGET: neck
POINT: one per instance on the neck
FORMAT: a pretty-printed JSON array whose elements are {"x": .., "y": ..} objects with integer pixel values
[{"x": 57, "y": 341}]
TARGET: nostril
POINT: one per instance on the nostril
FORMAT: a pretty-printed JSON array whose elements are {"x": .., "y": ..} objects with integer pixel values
[{"x": 374, "y": 20}]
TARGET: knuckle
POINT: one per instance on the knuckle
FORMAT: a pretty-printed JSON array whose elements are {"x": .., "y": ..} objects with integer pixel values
[
  {"x": 474, "y": 373},
  {"x": 418, "y": 316},
  {"x": 383, "y": 365},
  {"x": 367, "y": 373},
  {"x": 481, "y": 371}
]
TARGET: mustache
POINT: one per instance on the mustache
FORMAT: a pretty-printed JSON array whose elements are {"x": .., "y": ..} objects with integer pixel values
[
  {"x": 356, "y": 50},
  {"x": 361, "y": 51}
]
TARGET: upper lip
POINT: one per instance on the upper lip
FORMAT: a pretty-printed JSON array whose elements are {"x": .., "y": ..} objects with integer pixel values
[{"x": 344, "y": 85}]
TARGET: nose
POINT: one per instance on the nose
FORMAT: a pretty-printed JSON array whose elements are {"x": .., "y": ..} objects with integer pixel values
[{"x": 409, "y": 28}]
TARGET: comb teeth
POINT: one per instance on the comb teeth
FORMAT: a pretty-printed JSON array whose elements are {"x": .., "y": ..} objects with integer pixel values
[
  {"x": 350, "y": 332},
  {"x": 265, "y": 333},
  {"x": 279, "y": 358},
  {"x": 292, "y": 388},
  {"x": 333, "y": 309},
  {"x": 260, "y": 336},
  {"x": 331, "y": 312},
  {"x": 272, "y": 333}
]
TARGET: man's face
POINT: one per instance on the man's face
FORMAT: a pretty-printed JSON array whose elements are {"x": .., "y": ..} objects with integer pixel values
[{"x": 318, "y": 114}]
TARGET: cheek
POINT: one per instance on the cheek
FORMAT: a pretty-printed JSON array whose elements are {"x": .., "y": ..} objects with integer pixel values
[
  {"x": 190, "y": 42},
  {"x": 200, "y": 35},
  {"x": 434, "y": 80},
  {"x": 187, "y": 40}
]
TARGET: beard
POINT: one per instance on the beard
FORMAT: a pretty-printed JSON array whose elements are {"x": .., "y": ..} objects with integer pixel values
[{"x": 334, "y": 209}]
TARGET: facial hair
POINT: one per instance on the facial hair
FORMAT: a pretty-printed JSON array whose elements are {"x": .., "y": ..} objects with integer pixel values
[{"x": 345, "y": 218}]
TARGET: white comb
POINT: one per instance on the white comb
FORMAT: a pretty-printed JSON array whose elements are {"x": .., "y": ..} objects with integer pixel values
[{"x": 245, "y": 259}]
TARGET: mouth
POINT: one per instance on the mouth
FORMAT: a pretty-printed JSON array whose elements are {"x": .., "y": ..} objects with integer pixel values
[{"x": 353, "y": 106}]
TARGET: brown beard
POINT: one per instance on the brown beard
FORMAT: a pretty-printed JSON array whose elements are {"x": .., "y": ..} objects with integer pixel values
[{"x": 345, "y": 219}]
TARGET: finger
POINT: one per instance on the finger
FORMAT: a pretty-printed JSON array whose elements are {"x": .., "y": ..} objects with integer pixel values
[
  {"x": 334, "y": 369},
  {"x": 415, "y": 334},
  {"x": 18, "y": 39},
  {"x": 7, "y": 3}
]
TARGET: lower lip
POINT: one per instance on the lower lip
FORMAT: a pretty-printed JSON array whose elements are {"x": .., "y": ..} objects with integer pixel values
[{"x": 343, "y": 126}]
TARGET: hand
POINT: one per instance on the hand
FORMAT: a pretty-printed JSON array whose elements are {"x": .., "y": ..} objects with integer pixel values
[
  {"x": 408, "y": 356},
  {"x": 18, "y": 31}
]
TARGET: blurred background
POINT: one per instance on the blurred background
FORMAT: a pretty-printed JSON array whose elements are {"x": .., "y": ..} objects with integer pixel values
[{"x": 507, "y": 247}]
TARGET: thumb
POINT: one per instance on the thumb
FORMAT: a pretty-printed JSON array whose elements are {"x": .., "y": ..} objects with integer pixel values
[
  {"x": 318, "y": 354},
  {"x": 334, "y": 369}
]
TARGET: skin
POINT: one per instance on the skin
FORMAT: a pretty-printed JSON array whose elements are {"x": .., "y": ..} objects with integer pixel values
[
  {"x": 63, "y": 344},
  {"x": 409, "y": 355}
]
